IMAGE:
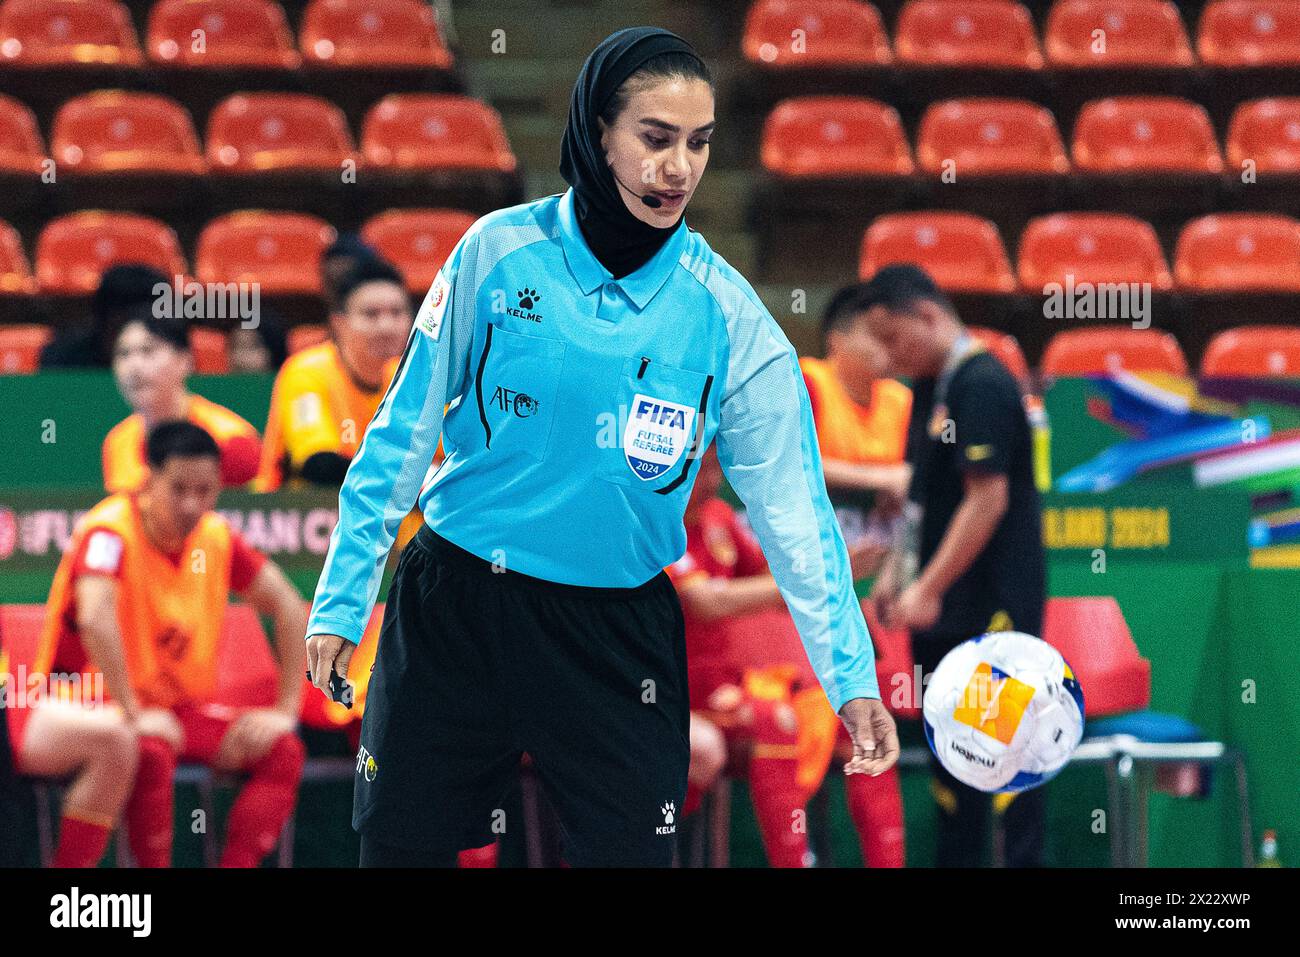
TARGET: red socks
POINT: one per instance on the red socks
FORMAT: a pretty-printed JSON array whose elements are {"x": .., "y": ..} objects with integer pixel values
[
  {"x": 479, "y": 856},
  {"x": 149, "y": 811},
  {"x": 264, "y": 804},
  {"x": 876, "y": 806},
  {"x": 81, "y": 840},
  {"x": 256, "y": 818},
  {"x": 774, "y": 785}
]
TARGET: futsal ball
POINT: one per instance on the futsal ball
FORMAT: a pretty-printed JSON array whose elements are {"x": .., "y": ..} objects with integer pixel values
[{"x": 1003, "y": 712}]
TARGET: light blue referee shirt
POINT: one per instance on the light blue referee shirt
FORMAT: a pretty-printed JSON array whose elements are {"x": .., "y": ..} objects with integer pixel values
[{"x": 579, "y": 405}]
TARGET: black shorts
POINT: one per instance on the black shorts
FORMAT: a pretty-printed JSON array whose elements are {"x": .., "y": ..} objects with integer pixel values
[{"x": 476, "y": 666}]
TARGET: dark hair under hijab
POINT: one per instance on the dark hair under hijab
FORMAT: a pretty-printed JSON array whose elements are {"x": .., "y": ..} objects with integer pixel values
[{"x": 621, "y": 242}]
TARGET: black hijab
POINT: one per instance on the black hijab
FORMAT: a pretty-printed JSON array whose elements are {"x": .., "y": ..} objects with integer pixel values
[{"x": 621, "y": 242}]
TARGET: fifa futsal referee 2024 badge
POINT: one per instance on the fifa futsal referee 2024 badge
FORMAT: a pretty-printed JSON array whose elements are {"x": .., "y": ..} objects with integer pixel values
[{"x": 656, "y": 435}]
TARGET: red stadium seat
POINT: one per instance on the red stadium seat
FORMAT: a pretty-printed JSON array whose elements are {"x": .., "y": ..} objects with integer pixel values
[
  {"x": 1239, "y": 252},
  {"x": 208, "y": 347},
  {"x": 1145, "y": 133},
  {"x": 815, "y": 33},
  {"x": 1267, "y": 132},
  {"x": 372, "y": 33},
  {"x": 978, "y": 33},
  {"x": 990, "y": 137},
  {"x": 281, "y": 251},
  {"x": 263, "y": 132},
  {"x": 20, "y": 347},
  {"x": 235, "y": 33},
  {"x": 961, "y": 252},
  {"x": 1004, "y": 346},
  {"x": 15, "y": 273},
  {"x": 835, "y": 136},
  {"x": 306, "y": 336},
  {"x": 247, "y": 675},
  {"x": 21, "y": 149},
  {"x": 113, "y": 131},
  {"x": 73, "y": 251},
  {"x": 20, "y": 635},
  {"x": 44, "y": 33},
  {"x": 1133, "y": 33},
  {"x": 1091, "y": 634},
  {"x": 417, "y": 131},
  {"x": 1091, "y": 247},
  {"x": 1239, "y": 33},
  {"x": 417, "y": 241},
  {"x": 1098, "y": 350},
  {"x": 1253, "y": 351}
]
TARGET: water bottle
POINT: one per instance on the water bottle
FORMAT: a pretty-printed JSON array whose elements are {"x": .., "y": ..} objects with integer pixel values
[{"x": 1268, "y": 850}]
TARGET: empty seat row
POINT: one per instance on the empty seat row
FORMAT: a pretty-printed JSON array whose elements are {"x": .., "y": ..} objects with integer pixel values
[
  {"x": 1079, "y": 34},
  {"x": 279, "y": 251},
  {"x": 845, "y": 136},
  {"x": 1236, "y": 252},
  {"x": 222, "y": 34},
  {"x": 1225, "y": 252},
  {"x": 113, "y": 131}
]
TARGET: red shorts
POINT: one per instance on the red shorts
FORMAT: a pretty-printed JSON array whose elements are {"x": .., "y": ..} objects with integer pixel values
[{"x": 204, "y": 726}]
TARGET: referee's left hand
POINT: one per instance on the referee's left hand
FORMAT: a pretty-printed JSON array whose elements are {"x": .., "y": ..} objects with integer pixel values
[
  {"x": 875, "y": 739},
  {"x": 326, "y": 653}
]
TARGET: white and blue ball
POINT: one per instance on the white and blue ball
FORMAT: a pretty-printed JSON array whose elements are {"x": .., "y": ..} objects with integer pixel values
[{"x": 1003, "y": 712}]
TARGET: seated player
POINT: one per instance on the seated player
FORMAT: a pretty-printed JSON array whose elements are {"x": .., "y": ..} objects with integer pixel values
[
  {"x": 90, "y": 746},
  {"x": 140, "y": 596},
  {"x": 325, "y": 396},
  {"x": 151, "y": 361},
  {"x": 742, "y": 717},
  {"x": 861, "y": 417}
]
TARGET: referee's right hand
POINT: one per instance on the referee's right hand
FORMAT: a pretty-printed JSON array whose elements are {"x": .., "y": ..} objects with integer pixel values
[{"x": 326, "y": 653}]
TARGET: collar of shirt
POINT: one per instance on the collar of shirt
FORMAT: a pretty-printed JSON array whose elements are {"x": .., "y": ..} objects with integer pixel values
[{"x": 640, "y": 286}]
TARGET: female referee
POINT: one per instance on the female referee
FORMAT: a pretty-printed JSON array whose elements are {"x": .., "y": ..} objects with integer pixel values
[{"x": 588, "y": 347}]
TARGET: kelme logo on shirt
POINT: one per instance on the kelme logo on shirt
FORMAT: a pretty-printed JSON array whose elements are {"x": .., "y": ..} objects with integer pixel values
[
  {"x": 656, "y": 434},
  {"x": 527, "y": 299}
]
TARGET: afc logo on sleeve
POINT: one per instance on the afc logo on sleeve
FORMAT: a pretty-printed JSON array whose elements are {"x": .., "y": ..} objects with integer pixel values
[{"x": 429, "y": 321}]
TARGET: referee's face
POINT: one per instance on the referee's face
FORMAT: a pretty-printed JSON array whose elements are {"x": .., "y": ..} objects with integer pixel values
[{"x": 660, "y": 145}]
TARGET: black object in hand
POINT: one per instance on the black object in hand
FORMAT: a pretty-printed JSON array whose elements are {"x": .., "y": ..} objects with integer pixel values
[{"x": 340, "y": 688}]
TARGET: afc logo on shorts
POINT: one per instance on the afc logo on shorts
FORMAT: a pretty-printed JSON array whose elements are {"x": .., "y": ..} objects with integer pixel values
[{"x": 366, "y": 765}]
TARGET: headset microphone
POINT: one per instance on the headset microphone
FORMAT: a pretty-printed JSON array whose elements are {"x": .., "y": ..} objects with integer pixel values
[{"x": 654, "y": 202}]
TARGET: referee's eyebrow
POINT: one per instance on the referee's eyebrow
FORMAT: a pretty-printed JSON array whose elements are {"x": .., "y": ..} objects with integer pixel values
[{"x": 671, "y": 128}]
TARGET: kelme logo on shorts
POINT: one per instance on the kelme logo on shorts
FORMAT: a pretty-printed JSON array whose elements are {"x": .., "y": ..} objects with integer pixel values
[
  {"x": 669, "y": 811},
  {"x": 366, "y": 765},
  {"x": 656, "y": 435}
]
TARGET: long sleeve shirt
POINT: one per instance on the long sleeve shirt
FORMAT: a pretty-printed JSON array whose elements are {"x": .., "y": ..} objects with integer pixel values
[{"x": 576, "y": 408}]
